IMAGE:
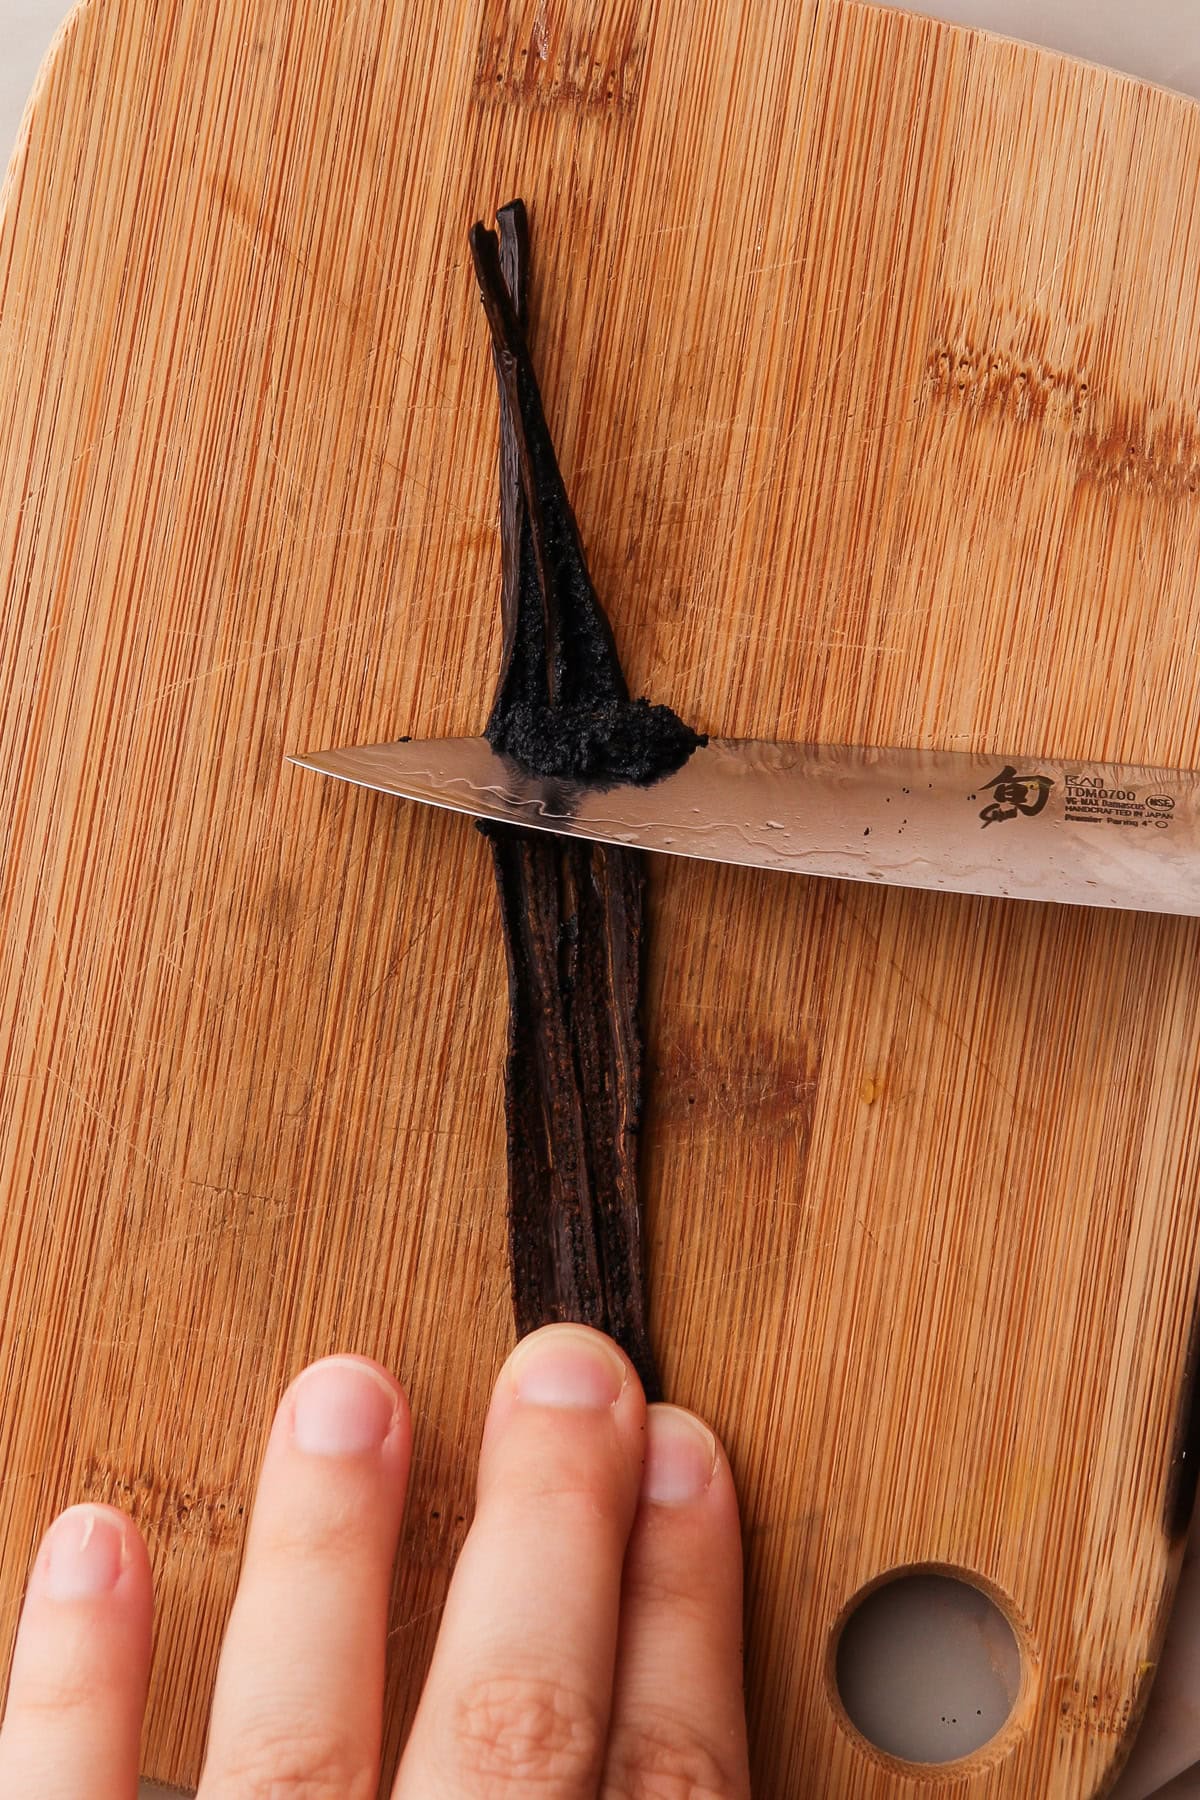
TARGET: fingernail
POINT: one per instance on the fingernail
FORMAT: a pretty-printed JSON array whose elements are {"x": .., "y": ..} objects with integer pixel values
[
  {"x": 85, "y": 1553},
  {"x": 341, "y": 1408},
  {"x": 568, "y": 1365},
  {"x": 681, "y": 1456}
]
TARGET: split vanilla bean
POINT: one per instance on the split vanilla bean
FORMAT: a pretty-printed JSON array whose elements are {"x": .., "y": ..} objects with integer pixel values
[{"x": 572, "y": 912}]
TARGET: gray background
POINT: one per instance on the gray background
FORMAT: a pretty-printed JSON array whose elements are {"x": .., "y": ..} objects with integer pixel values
[{"x": 1156, "y": 39}]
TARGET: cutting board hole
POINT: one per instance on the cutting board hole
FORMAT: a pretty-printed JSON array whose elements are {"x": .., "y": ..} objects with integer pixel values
[{"x": 926, "y": 1666}]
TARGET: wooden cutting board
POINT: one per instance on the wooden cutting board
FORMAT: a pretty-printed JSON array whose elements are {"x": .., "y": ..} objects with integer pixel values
[{"x": 872, "y": 349}]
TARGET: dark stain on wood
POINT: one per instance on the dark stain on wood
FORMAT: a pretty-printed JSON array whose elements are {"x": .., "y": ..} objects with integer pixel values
[
  {"x": 165, "y": 1508},
  {"x": 987, "y": 380},
  {"x": 550, "y": 53},
  {"x": 1151, "y": 451},
  {"x": 1132, "y": 452},
  {"x": 726, "y": 1069}
]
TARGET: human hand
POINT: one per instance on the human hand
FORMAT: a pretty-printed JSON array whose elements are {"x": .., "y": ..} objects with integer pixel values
[{"x": 591, "y": 1641}]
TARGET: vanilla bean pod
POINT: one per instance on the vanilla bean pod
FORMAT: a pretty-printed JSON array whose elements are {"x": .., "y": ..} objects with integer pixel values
[{"x": 572, "y": 912}]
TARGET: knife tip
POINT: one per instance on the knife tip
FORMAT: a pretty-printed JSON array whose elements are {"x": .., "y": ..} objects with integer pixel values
[{"x": 312, "y": 760}]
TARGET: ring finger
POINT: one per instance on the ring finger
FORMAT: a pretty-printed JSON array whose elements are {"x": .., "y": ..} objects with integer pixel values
[{"x": 679, "y": 1721}]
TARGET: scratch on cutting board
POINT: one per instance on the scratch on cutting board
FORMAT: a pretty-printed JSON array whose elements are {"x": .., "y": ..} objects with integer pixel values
[
  {"x": 234, "y": 1193},
  {"x": 327, "y": 634},
  {"x": 116, "y": 1135},
  {"x": 968, "y": 1044},
  {"x": 722, "y": 1276}
]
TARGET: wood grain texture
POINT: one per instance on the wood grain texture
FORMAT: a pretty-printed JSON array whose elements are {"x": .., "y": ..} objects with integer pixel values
[{"x": 876, "y": 393}]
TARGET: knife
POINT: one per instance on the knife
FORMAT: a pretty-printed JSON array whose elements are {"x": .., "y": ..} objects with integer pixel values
[{"x": 1074, "y": 833}]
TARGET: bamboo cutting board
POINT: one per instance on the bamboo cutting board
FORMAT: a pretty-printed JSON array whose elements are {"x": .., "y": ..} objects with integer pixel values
[{"x": 873, "y": 355}]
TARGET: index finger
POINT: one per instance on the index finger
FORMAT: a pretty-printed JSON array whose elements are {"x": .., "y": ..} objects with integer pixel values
[{"x": 299, "y": 1699}]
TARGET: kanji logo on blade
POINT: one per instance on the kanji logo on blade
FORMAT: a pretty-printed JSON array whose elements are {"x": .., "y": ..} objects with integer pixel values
[{"x": 1013, "y": 794}]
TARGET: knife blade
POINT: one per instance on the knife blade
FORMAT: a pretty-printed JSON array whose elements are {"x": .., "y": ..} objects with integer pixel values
[{"x": 1074, "y": 833}]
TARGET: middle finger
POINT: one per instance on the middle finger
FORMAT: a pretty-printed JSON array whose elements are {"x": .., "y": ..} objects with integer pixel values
[{"x": 518, "y": 1697}]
